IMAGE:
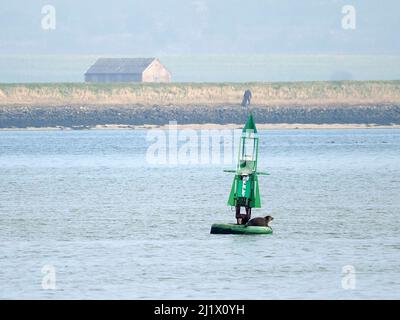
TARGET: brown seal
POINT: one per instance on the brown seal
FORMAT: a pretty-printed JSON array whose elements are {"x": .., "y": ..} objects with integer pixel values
[{"x": 260, "y": 221}]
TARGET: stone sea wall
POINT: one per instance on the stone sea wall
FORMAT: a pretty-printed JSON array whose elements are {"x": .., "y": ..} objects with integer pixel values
[{"x": 22, "y": 116}]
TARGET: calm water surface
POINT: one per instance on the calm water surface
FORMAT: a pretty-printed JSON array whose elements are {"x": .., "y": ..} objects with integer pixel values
[{"x": 88, "y": 204}]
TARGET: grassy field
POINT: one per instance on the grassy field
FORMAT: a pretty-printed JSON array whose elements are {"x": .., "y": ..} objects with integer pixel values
[{"x": 264, "y": 94}]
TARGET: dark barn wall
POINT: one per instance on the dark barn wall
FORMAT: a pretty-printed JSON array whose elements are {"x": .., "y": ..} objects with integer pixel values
[{"x": 105, "y": 78}]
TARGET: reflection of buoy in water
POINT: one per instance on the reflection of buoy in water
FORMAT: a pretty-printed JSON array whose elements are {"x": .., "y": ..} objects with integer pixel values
[{"x": 245, "y": 189}]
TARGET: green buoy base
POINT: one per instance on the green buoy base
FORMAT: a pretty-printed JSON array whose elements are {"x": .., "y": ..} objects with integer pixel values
[{"x": 231, "y": 228}]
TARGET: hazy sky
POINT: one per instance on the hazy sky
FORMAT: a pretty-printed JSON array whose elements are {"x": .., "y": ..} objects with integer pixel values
[{"x": 165, "y": 27}]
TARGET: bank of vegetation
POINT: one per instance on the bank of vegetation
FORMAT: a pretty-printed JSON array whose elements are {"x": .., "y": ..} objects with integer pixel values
[{"x": 264, "y": 94}]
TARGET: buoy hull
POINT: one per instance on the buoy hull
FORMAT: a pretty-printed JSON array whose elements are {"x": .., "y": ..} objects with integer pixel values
[{"x": 231, "y": 228}]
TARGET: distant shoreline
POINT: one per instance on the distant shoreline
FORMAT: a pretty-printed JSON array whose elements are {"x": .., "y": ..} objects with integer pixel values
[
  {"x": 297, "y": 104},
  {"x": 212, "y": 126},
  {"x": 136, "y": 116}
]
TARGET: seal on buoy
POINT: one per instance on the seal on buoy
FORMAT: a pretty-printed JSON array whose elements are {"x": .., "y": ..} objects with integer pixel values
[{"x": 260, "y": 221}]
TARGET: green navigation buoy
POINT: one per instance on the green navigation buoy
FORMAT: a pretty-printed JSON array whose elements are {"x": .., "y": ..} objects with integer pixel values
[{"x": 245, "y": 191}]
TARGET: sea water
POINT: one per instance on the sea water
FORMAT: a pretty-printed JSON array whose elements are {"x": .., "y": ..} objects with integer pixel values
[{"x": 83, "y": 214}]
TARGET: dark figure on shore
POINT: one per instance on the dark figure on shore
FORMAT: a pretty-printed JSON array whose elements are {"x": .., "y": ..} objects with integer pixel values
[{"x": 246, "y": 98}]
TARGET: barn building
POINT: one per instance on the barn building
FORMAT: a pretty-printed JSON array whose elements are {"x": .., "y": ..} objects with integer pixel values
[{"x": 127, "y": 70}]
